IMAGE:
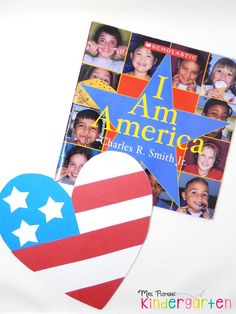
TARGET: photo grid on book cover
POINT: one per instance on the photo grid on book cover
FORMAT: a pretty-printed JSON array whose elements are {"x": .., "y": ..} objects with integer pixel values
[{"x": 203, "y": 83}]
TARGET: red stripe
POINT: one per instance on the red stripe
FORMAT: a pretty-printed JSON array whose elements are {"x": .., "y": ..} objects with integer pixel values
[
  {"x": 84, "y": 246},
  {"x": 118, "y": 189},
  {"x": 98, "y": 295}
]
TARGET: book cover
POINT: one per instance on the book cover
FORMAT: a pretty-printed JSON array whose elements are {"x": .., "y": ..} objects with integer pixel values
[{"x": 169, "y": 106}]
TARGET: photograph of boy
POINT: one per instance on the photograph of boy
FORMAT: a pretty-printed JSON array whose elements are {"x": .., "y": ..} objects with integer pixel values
[
  {"x": 71, "y": 163},
  {"x": 220, "y": 79},
  {"x": 188, "y": 74},
  {"x": 198, "y": 196},
  {"x": 219, "y": 110},
  {"x": 85, "y": 131},
  {"x": 82, "y": 129},
  {"x": 142, "y": 62},
  {"x": 195, "y": 195},
  {"x": 210, "y": 162},
  {"x": 106, "y": 48}
]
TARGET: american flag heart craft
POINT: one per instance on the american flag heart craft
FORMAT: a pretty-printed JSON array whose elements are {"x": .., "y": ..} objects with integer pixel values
[{"x": 86, "y": 243}]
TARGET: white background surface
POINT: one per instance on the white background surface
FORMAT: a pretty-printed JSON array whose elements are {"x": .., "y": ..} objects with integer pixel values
[{"x": 41, "y": 48}]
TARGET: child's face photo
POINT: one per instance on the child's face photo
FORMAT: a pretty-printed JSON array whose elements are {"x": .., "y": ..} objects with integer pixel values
[
  {"x": 156, "y": 187},
  {"x": 223, "y": 74},
  {"x": 106, "y": 45},
  {"x": 196, "y": 196},
  {"x": 206, "y": 159},
  {"x": 85, "y": 132},
  {"x": 142, "y": 59},
  {"x": 218, "y": 112},
  {"x": 75, "y": 164},
  {"x": 101, "y": 74},
  {"x": 188, "y": 72}
]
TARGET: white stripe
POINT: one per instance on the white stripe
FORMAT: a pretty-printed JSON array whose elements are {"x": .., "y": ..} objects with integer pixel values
[
  {"x": 114, "y": 214},
  {"x": 107, "y": 165},
  {"x": 91, "y": 271}
]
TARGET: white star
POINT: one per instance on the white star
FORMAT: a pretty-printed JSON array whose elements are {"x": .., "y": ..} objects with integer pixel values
[
  {"x": 52, "y": 209},
  {"x": 16, "y": 199},
  {"x": 26, "y": 233}
]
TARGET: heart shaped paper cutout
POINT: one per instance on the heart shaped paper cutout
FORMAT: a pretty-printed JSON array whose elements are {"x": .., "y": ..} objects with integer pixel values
[{"x": 84, "y": 245}]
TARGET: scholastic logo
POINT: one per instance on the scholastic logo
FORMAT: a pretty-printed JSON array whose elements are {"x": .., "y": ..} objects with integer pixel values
[
  {"x": 171, "y": 51},
  {"x": 159, "y": 300}
]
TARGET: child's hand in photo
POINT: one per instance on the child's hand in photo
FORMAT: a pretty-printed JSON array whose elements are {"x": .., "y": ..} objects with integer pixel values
[
  {"x": 192, "y": 87},
  {"x": 206, "y": 214},
  {"x": 92, "y": 48},
  {"x": 63, "y": 172},
  {"x": 215, "y": 94},
  {"x": 183, "y": 209},
  {"x": 121, "y": 52},
  {"x": 175, "y": 80}
]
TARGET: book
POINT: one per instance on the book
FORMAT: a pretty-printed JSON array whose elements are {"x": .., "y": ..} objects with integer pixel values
[{"x": 169, "y": 106}]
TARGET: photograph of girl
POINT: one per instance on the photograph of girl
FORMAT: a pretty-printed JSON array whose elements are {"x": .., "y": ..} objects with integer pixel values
[
  {"x": 142, "y": 62},
  {"x": 210, "y": 162},
  {"x": 89, "y": 72},
  {"x": 220, "y": 79},
  {"x": 72, "y": 160},
  {"x": 188, "y": 74}
]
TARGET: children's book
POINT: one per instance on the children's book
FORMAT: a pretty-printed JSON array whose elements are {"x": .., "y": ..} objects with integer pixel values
[{"x": 169, "y": 106}]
